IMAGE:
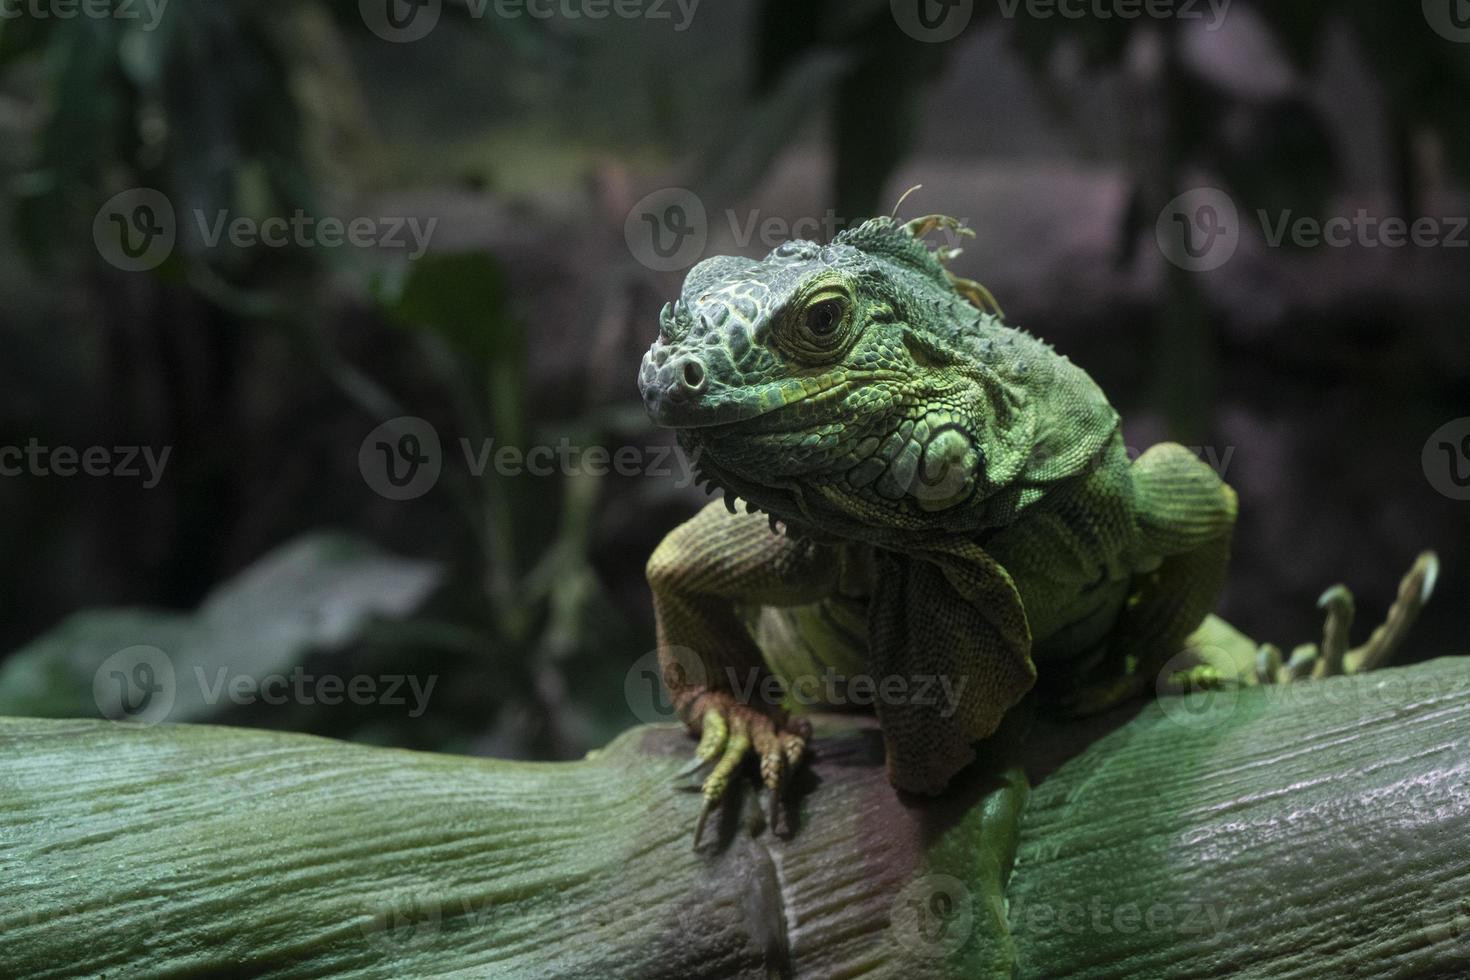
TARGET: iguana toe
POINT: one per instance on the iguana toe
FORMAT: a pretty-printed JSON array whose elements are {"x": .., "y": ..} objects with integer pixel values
[
  {"x": 1333, "y": 658},
  {"x": 729, "y": 730}
]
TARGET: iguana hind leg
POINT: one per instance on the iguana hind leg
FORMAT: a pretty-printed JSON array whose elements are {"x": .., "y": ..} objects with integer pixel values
[
  {"x": 1332, "y": 657},
  {"x": 701, "y": 572}
]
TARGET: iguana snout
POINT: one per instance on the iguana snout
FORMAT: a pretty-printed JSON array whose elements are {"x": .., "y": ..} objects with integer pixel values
[{"x": 672, "y": 381}]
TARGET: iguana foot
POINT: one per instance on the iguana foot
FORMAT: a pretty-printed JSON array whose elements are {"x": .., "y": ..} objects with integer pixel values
[
  {"x": 1332, "y": 657},
  {"x": 729, "y": 730},
  {"x": 1100, "y": 696},
  {"x": 1201, "y": 677}
]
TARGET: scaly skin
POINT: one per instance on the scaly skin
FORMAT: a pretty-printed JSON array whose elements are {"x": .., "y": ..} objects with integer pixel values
[{"x": 947, "y": 504}]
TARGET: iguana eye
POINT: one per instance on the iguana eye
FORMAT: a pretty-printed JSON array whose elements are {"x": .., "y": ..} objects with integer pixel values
[
  {"x": 816, "y": 326},
  {"x": 823, "y": 318}
]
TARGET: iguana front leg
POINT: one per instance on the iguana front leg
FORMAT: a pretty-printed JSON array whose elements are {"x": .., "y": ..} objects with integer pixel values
[
  {"x": 1185, "y": 515},
  {"x": 700, "y": 574}
]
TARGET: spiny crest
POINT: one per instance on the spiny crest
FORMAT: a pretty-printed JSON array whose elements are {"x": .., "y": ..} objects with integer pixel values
[
  {"x": 674, "y": 321},
  {"x": 884, "y": 237},
  {"x": 709, "y": 483},
  {"x": 903, "y": 242}
]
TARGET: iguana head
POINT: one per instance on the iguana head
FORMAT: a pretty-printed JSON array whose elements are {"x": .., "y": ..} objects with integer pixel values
[{"x": 844, "y": 387}]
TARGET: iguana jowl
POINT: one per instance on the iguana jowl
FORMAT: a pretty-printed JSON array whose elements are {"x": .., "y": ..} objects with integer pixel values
[{"x": 944, "y": 497}]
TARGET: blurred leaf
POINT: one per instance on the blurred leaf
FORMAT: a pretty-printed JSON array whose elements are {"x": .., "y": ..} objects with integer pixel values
[
  {"x": 461, "y": 297},
  {"x": 52, "y": 677},
  {"x": 87, "y": 117},
  {"x": 318, "y": 591}
]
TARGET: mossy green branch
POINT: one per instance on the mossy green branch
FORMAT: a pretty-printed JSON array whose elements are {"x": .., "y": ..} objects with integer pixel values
[{"x": 1311, "y": 830}]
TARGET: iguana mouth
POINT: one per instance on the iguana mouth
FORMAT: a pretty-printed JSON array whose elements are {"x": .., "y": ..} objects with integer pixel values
[
  {"x": 678, "y": 394},
  {"x": 672, "y": 408},
  {"x": 779, "y": 504}
]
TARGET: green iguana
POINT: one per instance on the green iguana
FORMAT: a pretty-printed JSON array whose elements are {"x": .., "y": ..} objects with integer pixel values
[{"x": 946, "y": 499}]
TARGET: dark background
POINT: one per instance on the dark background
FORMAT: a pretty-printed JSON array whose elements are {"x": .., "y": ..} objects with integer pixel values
[{"x": 1315, "y": 374}]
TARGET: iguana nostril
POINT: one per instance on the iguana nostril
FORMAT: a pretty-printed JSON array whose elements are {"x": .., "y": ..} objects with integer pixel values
[{"x": 691, "y": 376}]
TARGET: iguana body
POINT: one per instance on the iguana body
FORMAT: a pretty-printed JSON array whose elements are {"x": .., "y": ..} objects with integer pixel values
[{"x": 945, "y": 499}]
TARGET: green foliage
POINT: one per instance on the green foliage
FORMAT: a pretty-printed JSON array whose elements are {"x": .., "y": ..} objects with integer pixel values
[
  {"x": 187, "y": 106},
  {"x": 319, "y": 592},
  {"x": 461, "y": 297}
]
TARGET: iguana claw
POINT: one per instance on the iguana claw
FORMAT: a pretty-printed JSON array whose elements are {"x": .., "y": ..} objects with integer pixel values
[
  {"x": 729, "y": 730},
  {"x": 1333, "y": 658}
]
